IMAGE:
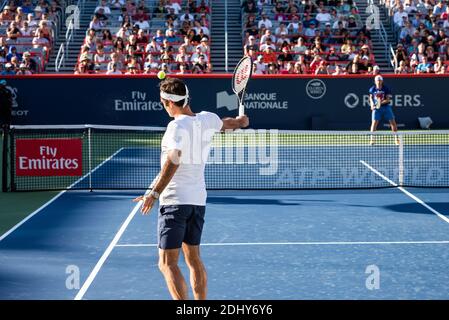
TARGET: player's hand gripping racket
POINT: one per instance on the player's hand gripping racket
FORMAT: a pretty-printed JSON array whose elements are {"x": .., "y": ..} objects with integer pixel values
[{"x": 242, "y": 74}]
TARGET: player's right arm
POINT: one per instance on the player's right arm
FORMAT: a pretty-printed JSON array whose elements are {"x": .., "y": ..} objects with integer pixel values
[
  {"x": 371, "y": 98},
  {"x": 235, "y": 123}
]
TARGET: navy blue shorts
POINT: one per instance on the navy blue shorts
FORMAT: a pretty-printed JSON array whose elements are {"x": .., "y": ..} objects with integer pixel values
[
  {"x": 178, "y": 224},
  {"x": 385, "y": 112}
]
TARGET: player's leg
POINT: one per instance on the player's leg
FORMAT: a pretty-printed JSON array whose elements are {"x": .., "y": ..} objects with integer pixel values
[
  {"x": 375, "y": 118},
  {"x": 198, "y": 274},
  {"x": 191, "y": 249},
  {"x": 391, "y": 119},
  {"x": 168, "y": 264},
  {"x": 171, "y": 230}
]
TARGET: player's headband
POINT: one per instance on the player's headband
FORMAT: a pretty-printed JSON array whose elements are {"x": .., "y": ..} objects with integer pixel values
[{"x": 175, "y": 97}]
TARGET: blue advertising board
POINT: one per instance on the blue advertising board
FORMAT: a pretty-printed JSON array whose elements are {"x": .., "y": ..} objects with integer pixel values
[{"x": 297, "y": 103}]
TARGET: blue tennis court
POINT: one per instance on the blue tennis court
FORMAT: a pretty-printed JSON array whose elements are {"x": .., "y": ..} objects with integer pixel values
[
  {"x": 262, "y": 244},
  {"x": 257, "y": 245}
]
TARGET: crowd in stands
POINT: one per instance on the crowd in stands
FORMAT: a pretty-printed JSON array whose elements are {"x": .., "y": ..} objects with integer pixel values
[
  {"x": 27, "y": 32},
  {"x": 307, "y": 37},
  {"x": 423, "y": 29},
  {"x": 134, "y": 37}
]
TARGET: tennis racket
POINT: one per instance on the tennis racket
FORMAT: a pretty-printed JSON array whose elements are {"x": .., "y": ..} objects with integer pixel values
[
  {"x": 242, "y": 74},
  {"x": 378, "y": 103}
]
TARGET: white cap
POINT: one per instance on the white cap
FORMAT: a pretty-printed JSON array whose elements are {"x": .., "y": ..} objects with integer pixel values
[{"x": 378, "y": 78}]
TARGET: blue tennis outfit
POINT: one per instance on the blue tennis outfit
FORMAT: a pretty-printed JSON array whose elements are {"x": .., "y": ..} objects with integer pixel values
[{"x": 385, "y": 111}]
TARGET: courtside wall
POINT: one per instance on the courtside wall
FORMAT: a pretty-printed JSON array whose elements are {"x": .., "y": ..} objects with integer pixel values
[{"x": 281, "y": 102}]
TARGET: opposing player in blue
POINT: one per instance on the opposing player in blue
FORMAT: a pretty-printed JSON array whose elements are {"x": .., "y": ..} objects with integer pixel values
[{"x": 381, "y": 107}]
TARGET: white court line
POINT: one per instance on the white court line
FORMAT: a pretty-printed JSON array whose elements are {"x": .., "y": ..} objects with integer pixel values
[
  {"x": 136, "y": 245},
  {"x": 7, "y": 233},
  {"x": 425, "y": 205},
  {"x": 106, "y": 254}
]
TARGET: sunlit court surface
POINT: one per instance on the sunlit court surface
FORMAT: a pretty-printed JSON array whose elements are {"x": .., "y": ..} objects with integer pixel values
[{"x": 389, "y": 242}]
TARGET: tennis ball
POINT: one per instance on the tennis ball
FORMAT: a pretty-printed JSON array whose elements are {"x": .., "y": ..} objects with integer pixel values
[{"x": 161, "y": 75}]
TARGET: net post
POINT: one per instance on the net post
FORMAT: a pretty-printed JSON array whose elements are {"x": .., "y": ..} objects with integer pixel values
[
  {"x": 89, "y": 143},
  {"x": 4, "y": 159},
  {"x": 401, "y": 160}
]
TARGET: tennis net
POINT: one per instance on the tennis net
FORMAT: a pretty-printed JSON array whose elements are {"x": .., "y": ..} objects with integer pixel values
[{"x": 110, "y": 157}]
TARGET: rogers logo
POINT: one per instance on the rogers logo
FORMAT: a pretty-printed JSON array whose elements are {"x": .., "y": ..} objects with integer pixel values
[{"x": 351, "y": 100}]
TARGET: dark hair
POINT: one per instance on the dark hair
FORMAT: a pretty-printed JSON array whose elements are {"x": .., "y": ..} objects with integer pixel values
[{"x": 174, "y": 86}]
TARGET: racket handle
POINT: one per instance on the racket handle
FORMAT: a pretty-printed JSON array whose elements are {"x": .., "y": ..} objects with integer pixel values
[{"x": 241, "y": 109}]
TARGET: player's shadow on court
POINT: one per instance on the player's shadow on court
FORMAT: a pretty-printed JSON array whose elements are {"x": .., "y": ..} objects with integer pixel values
[
  {"x": 414, "y": 207},
  {"x": 252, "y": 201}
]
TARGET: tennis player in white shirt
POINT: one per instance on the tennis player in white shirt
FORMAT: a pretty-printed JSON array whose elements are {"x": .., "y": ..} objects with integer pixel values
[{"x": 181, "y": 189}]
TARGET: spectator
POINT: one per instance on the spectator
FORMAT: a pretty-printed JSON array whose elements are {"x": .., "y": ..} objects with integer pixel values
[
  {"x": 284, "y": 58},
  {"x": 13, "y": 53},
  {"x": 117, "y": 4},
  {"x": 323, "y": 16},
  {"x": 160, "y": 10},
  {"x": 103, "y": 5},
  {"x": 23, "y": 70},
  {"x": 204, "y": 45},
  {"x": 30, "y": 62},
  {"x": 259, "y": 65},
  {"x": 300, "y": 47},
  {"x": 267, "y": 36},
  {"x": 424, "y": 66},
  {"x": 6, "y": 15},
  {"x": 249, "y": 7},
  {"x": 100, "y": 57},
  {"x": 96, "y": 24},
  {"x": 310, "y": 31},
  {"x": 283, "y": 41},
  {"x": 84, "y": 66},
  {"x": 267, "y": 44},
  {"x": 399, "y": 16},
  {"x": 200, "y": 66},
  {"x": 142, "y": 23},
  {"x": 191, "y": 5},
  {"x": 28, "y": 7},
  {"x": 279, "y": 11},
  {"x": 117, "y": 60},
  {"x": 25, "y": 30},
  {"x": 125, "y": 31},
  {"x": 112, "y": 69},
  {"x": 439, "y": 67},
  {"x": 150, "y": 65},
  {"x": 265, "y": 22},
  {"x": 32, "y": 23},
  {"x": 13, "y": 32},
  {"x": 119, "y": 45},
  {"x": 203, "y": 8},
  {"x": 272, "y": 69},
  {"x": 281, "y": 29},
  {"x": 295, "y": 26},
  {"x": 338, "y": 71},
  {"x": 9, "y": 70},
  {"x": 400, "y": 54},
  {"x": 332, "y": 55},
  {"x": 182, "y": 57},
  {"x": 251, "y": 45},
  {"x": 197, "y": 54},
  {"x": 269, "y": 56},
  {"x": 107, "y": 38}
]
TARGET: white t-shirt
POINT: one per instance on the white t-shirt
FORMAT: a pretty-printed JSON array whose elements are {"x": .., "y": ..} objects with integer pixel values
[{"x": 192, "y": 135}]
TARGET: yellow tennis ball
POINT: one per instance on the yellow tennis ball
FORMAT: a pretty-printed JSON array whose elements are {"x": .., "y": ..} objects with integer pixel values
[{"x": 161, "y": 75}]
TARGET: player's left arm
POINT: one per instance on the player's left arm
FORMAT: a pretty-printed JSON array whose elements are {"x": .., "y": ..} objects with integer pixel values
[{"x": 167, "y": 172}]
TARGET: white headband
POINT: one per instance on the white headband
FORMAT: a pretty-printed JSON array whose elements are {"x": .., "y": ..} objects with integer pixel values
[{"x": 175, "y": 97}]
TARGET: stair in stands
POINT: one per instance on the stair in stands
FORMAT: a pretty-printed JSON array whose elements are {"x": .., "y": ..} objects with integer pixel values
[
  {"x": 381, "y": 57},
  {"x": 86, "y": 13},
  {"x": 234, "y": 31}
]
